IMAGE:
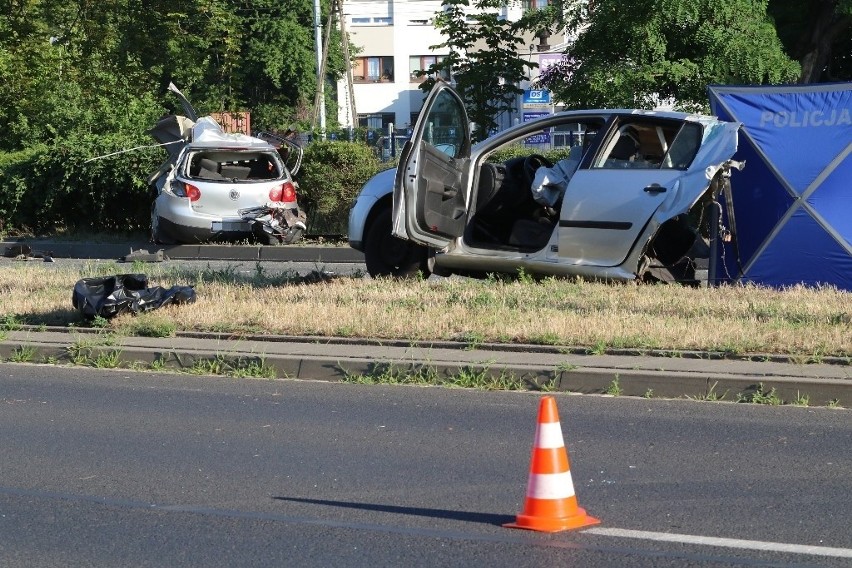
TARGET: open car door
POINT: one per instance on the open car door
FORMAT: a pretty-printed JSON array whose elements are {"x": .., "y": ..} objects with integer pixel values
[{"x": 430, "y": 193}]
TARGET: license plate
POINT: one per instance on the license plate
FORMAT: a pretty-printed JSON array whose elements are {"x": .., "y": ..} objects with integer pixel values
[{"x": 230, "y": 226}]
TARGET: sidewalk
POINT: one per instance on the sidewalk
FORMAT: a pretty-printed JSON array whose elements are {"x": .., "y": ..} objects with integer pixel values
[{"x": 320, "y": 358}]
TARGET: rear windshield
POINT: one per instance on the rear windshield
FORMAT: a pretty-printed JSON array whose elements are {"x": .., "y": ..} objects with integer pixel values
[{"x": 234, "y": 166}]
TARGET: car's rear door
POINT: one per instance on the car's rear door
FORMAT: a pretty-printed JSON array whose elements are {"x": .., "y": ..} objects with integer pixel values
[
  {"x": 614, "y": 194},
  {"x": 430, "y": 189}
]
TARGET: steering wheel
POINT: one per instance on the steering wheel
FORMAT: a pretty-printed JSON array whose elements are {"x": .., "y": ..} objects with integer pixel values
[{"x": 532, "y": 163}]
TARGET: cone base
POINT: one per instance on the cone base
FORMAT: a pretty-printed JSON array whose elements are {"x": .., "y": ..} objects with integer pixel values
[{"x": 553, "y": 524}]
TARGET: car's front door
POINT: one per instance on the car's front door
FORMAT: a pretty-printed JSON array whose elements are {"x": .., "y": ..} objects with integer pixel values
[
  {"x": 430, "y": 190},
  {"x": 614, "y": 194}
]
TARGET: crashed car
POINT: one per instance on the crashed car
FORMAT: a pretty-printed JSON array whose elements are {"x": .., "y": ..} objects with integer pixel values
[
  {"x": 632, "y": 200},
  {"x": 217, "y": 186}
]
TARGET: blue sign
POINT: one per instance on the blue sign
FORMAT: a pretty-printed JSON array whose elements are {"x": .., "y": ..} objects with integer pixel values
[
  {"x": 542, "y": 137},
  {"x": 537, "y": 96}
]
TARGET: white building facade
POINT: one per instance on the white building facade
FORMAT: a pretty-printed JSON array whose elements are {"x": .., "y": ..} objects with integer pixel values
[{"x": 394, "y": 38}]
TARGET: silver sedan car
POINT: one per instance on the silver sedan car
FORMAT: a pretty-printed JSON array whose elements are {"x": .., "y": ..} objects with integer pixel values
[{"x": 632, "y": 199}]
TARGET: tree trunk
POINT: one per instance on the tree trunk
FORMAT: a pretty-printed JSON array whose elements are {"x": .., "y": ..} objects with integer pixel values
[{"x": 814, "y": 48}]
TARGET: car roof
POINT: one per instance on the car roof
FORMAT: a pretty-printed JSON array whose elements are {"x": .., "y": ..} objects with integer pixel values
[{"x": 672, "y": 114}]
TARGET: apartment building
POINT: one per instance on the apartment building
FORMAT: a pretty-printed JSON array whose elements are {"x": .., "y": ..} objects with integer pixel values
[{"x": 394, "y": 39}]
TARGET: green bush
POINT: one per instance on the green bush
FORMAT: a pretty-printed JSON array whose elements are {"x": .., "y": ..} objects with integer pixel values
[
  {"x": 517, "y": 150},
  {"x": 331, "y": 176},
  {"x": 48, "y": 189}
]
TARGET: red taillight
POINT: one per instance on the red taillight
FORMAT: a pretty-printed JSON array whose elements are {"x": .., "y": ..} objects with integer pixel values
[
  {"x": 184, "y": 189},
  {"x": 276, "y": 192},
  {"x": 192, "y": 192},
  {"x": 288, "y": 192}
]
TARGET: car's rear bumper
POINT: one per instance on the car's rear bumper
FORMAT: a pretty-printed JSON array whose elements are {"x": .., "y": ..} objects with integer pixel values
[{"x": 188, "y": 234}]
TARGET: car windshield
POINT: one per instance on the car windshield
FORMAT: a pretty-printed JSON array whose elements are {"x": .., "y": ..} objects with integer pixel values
[{"x": 212, "y": 165}]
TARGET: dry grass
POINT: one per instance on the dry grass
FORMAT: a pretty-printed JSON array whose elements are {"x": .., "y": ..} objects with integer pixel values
[{"x": 799, "y": 321}]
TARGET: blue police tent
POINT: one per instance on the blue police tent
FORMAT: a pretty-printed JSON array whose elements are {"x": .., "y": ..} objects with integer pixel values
[{"x": 792, "y": 204}]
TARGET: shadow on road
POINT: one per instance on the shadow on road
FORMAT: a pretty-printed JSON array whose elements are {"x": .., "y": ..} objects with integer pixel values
[{"x": 469, "y": 516}]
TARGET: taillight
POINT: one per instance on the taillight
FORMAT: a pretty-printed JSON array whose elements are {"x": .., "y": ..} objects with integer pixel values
[
  {"x": 192, "y": 192},
  {"x": 184, "y": 189},
  {"x": 276, "y": 192},
  {"x": 288, "y": 192}
]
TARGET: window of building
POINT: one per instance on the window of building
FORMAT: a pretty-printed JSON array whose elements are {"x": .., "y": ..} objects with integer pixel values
[
  {"x": 536, "y": 4},
  {"x": 372, "y": 21},
  {"x": 423, "y": 63},
  {"x": 373, "y": 69},
  {"x": 376, "y": 121}
]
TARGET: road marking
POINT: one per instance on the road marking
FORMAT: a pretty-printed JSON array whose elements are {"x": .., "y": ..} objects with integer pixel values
[
  {"x": 725, "y": 542},
  {"x": 503, "y": 537}
]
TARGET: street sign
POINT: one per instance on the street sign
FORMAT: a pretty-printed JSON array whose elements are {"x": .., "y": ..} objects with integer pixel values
[
  {"x": 542, "y": 137},
  {"x": 537, "y": 97}
]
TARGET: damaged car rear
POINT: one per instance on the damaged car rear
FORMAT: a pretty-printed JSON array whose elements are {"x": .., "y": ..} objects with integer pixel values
[{"x": 218, "y": 186}]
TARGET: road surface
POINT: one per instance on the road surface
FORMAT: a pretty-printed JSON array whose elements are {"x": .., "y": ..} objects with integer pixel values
[{"x": 119, "y": 468}]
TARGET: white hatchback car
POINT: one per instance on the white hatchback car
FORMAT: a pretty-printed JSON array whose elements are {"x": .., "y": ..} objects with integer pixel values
[
  {"x": 630, "y": 200},
  {"x": 222, "y": 186}
]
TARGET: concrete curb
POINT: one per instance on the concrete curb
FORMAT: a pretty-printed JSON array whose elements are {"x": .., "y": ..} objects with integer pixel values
[
  {"x": 319, "y": 254},
  {"x": 330, "y": 359}
]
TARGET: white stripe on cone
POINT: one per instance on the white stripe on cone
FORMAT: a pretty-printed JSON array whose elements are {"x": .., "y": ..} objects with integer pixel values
[
  {"x": 550, "y": 485},
  {"x": 549, "y": 435}
]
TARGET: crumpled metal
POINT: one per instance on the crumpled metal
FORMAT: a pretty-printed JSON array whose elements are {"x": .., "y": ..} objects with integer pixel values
[{"x": 110, "y": 296}]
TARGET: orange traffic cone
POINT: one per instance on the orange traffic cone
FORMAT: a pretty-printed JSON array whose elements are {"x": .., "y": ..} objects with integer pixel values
[{"x": 551, "y": 505}]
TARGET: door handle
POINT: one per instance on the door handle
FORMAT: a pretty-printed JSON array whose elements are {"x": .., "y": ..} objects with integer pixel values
[{"x": 655, "y": 188}]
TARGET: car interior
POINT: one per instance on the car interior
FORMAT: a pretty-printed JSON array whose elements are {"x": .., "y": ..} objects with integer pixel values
[
  {"x": 231, "y": 166},
  {"x": 506, "y": 214}
]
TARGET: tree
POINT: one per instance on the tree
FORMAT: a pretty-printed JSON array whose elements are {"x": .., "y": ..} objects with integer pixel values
[
  {"x": 818, "y": 34},
  {"x": 483, "y": 59},
  {"x": 641, "y": 53}
]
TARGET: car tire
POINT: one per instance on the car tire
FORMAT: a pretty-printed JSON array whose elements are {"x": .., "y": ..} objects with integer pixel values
[
  {"x": 157, "y": 235},
  {"x": 390, "y": 257}
]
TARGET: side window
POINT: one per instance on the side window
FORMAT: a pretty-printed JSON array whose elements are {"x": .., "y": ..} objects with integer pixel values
[
  {"x": 684, "y": 147},
  {"x": 638, "y": 145},
  {"x": 446, "y": 129}
]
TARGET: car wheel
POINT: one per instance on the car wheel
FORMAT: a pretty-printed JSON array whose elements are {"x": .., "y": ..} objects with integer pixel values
[
  {"x": 157, "y": 235},
  {"x": 388, "y": 256}
]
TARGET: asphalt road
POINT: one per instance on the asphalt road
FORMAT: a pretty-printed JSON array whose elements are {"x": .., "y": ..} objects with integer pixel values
[{"x": 118, "y": 468}]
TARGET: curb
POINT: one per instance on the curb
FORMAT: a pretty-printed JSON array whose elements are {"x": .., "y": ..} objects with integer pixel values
[
  {"x": 655, "y": 377},
  {"x": 321, "y": 254}
]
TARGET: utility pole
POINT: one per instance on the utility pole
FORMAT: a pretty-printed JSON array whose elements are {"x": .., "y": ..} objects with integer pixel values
[
  {"x": 344, "y": 39},
  {"x": 322, "y": 58},
  {"x": 319, "y": 100}
]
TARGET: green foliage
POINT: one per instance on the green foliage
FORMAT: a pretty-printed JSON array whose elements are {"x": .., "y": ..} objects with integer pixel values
[
  {"x": 483, "y": 59},
  {"x": 643, "y": 53},
  {"x": 331, "y": 176},
  {"x": 759, "y": 395},
  {"x": 48, "y": 188}
]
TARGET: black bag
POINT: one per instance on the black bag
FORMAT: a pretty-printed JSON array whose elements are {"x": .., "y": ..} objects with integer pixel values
[{"x": 110, "y": 296}]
